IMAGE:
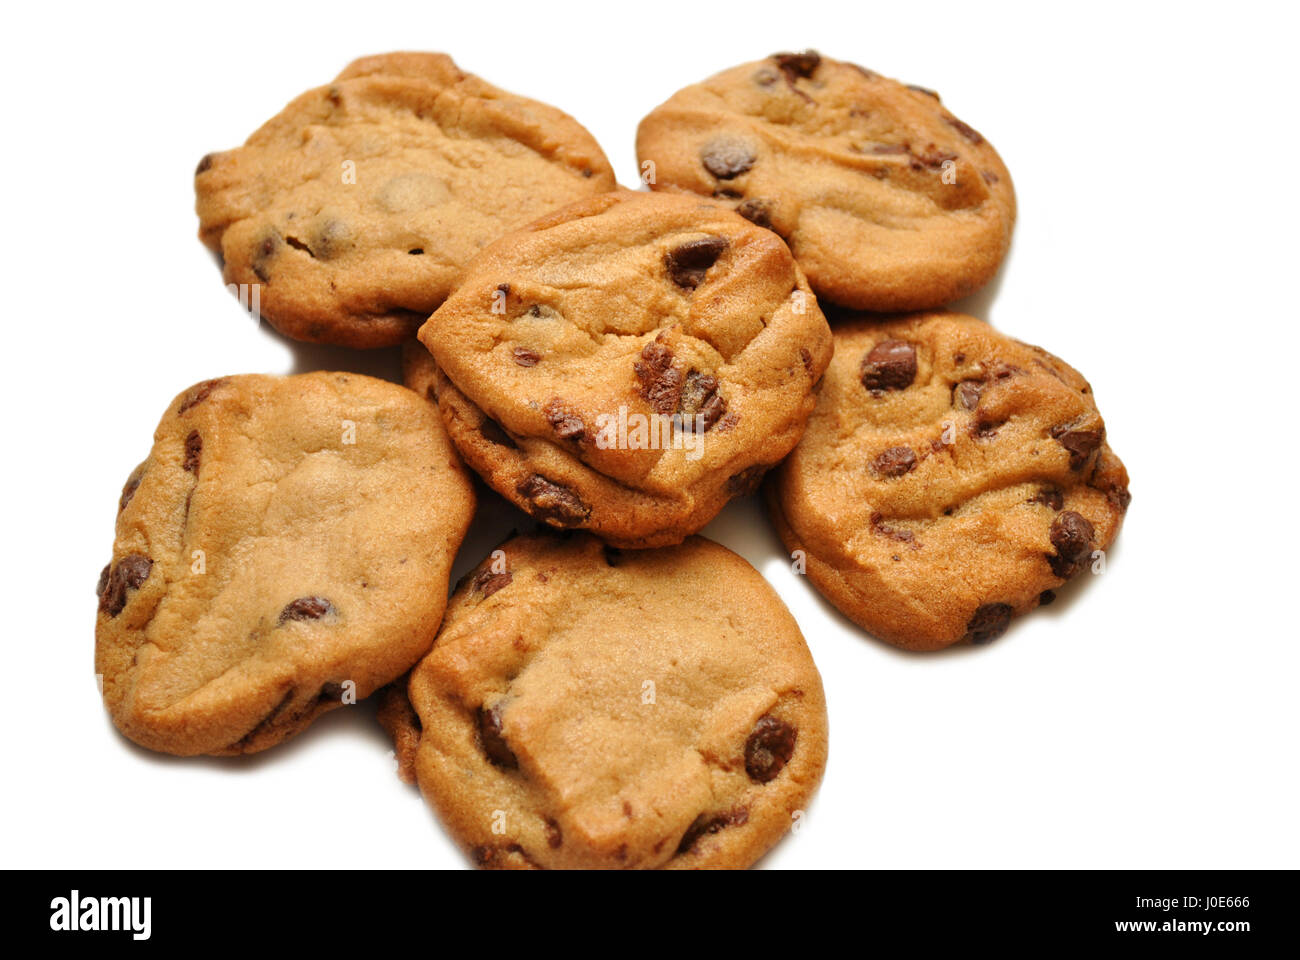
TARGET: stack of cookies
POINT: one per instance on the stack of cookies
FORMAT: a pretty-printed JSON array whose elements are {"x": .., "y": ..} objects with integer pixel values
[{"x": 610, "y": 690}]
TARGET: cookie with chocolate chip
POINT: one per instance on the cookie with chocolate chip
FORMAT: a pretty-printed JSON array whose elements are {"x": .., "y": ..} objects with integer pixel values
[
  {"x": 585, "y": 707},
  {"x": 353, "y": 210},
  {"x": 888, "y": 201},
  {"x": 628, "y": 364},
  {"x": 950, "y": 478},
  {"x": 283, "y": 551}
]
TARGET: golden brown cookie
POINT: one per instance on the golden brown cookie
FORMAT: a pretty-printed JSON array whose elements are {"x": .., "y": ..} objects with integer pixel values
[
  {"x": 284, "y": 550},
  {"x": 628, "y": 364},
  {"x": 353, "y": 210},
  {"x": 888, "y": 201},
  {"x": 585, "y": 707},
  {"x": 950, "y": 478}
]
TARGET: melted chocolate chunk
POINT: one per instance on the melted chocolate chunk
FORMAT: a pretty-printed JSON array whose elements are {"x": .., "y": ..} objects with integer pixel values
[
  {"x": 757, "y": 211},
  {"x": 727, "y": 157},
  {"x": 1049, "y": 496},
  {"x": 193, "y": 452},
  {"x": 661, "y": 382},
  {"x": 525, "y": 357},
  {"x": 1072, "y": 537},
  {"x": 488, "y": 583},
  {"x": 798, "y": 65},
  {"x": 567, "y": 426},
  {"x": 895, "y": 462},
  {"x": 492, "y": 741},
  {"x": 688, "y": 263},
  {"x": 707, "y": 823},
  {"x": 769, "y": 748},
  {"x": 700, "y": 405},
  {"x": 198, "y": 393},
  {"x": 305, "y": 608},
  {"x": 127, "y": 574},
  {"x": 965, "y": 129},
  {"x": 552, "y": 501},
  {"x": 967, "y": 394},
  {"x": 989, "y": 622},
  {"x": 889, "y": 365},
  {"x": 1081, "y": 444}
]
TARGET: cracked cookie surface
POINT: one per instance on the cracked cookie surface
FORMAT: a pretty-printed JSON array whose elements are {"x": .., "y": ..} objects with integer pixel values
[
  {"x": 585, "y": 707},
  {"x": 627, "y": 364},
  {"x": 950, "y": 478},
  {"x": 284, "y": 549},
  {"x": 888, "y": 201},
  {"x": 356, "y": 206}
]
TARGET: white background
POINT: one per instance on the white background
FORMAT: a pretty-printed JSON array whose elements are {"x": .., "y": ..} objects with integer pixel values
[{"x": 1148, "y": 719}]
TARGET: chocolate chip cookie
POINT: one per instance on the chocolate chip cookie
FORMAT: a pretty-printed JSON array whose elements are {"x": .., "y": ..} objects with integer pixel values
[
  {"x": 950, "y": 478},
  {"x": 585, "y": 707},
  {"x": 353, "y": 210},
  {"x": 628, "y": 364},
  {"x": 283, "y": 551},
  {"x": 888, "y": 201}
]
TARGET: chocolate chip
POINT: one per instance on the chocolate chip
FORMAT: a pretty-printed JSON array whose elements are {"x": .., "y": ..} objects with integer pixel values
[
  {"x": 1049, "y": 496},
  {"x": 727, "y": 157},
  {"x": 661, "y": 383},
  {"x": 489, "y": 583},
  {"x": 806, "y": 356},
  {"x": 989, "y": 177},
  {"x": 933, "y": 159},
  {"x": 687, "y": 264},
  {"x": 700, "y": 405},
  {"x": 331, "y": 692},
  {"x": 554, "y": 835},
  {"x": 525, "y": 357},
  {"x": 1046, "y": 597},
  {"x": 879, "y": 526},
  {"x": 967, "y": 394},
  {"x": 989, "y": 622},
  {"x": 197, "y": 394},
  {"x": 103, "y": 580},
  {"x": 707, "y": 823},
  {"x": 567, "y": 426},
  {"x": 895, "y": 462},
  {"x": 757, "y": 211},
  {"x": 890, "y": 365},
  {"x": 492, "y": 741},
  {"x": 193, "y": 452},
  {"x": 769, "y": 748},
  {"x": 204, "y": 165},
  {"x": 1081, "y": 444},
  {"x": 965, "y": 129},
  {"x": 264, "y": 251},
  {"x": 129, "y": 489},
  {"x": 127, "y": 574},
  {"x": 552, "y": 501},
  {"x": 415, "y": 252},
  {"x": 797, "y": 65},
  {"x": 1072, "y": 537},
  {"x": 305, "y": 608},
  {"x": 504, "y": 288}
]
